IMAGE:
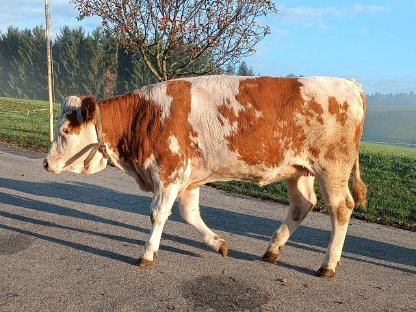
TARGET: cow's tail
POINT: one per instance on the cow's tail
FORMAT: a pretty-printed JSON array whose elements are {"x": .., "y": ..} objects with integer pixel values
[{"x": 359, "y": 189}]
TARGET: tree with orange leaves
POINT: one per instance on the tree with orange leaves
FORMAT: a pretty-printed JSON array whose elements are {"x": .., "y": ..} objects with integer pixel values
[{"x": 178, "y": 38}]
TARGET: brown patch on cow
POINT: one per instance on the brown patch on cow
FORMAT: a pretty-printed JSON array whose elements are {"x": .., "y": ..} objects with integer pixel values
[
  {"x": 317, "y": 109},
  {"x": 315, "y": 106},
  {"x": 343, "y": 213},
  {"x": 359, "y": 129},
  {"x": 314, "y": 152},
  {"x": 330, "y": 151},
  {"x": 120, "y": 116},
  {"x": 339, "y": 110},
  {"x": 357, "y": 135},
  {"x": 273, "y": 132},
  {"x": 135, "y": 128},
  {"x": 312, "y": 111},
  {"x": 341, "y": 150},
  {"x": 88, "y": 107},
  {"x": 177, "y": 124},
  {"x": 74, "y": 125}
]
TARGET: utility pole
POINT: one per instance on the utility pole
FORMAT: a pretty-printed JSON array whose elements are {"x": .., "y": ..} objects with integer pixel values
[{"x": 49, "y": 60}]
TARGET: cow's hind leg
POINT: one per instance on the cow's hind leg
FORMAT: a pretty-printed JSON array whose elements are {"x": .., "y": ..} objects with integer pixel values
[
  {"x": 302, "y": 199},
  {"x": 340, "y": 205},
  {"x": 161, "y": 208},
  {"x": 189, "y": 209}
]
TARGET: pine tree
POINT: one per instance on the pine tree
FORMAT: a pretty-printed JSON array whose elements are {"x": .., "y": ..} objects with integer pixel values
[
  {"x": 110, "y": 64},
  {"x": 37, "y": 74},
  {"x": 8, "y": 51},
  {"x": 67, "y": 65},
  {"x": 91, "y": 79},
  {"x": 244, "y": 70},
  {"x": 229, "y": 69}
]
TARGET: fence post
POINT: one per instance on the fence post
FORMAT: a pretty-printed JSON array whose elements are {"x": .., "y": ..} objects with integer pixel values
[{"x": 49, "y": 60}]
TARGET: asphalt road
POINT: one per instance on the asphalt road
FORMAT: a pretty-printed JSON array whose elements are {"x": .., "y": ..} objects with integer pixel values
[{"x": 68, "y": 243}]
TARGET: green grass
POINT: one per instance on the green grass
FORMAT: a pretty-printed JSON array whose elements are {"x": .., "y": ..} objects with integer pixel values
[
  {"x": 388, "y": 171},
  {"x": 25, "y": 123}
]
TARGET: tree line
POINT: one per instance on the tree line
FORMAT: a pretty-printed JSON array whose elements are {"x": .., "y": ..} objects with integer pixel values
[
  {"x": 95, "y": 64},
  {"x": 398, "y": 99},
  {"x": 82, "y": 64}
]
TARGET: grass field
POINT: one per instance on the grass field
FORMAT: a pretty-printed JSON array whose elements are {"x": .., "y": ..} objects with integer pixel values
[
  {"x": 389, "y": 171},
  {"x": 25, "y": 123}
]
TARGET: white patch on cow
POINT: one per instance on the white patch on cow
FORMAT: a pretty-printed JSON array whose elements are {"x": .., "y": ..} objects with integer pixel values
[
  {"x": 144, "y": 175},
  {"x": 208, "y": 94},
  {"x": 174, "y": 144},
  {"x": 157, "y": 94},
  {"x": 64, "y": 148},
  {"x": 259, "y": 114},
  {"x": 343, "y": 90},
  {"x": 70, "y": 103},
  {"x": 188, "y": 171}
]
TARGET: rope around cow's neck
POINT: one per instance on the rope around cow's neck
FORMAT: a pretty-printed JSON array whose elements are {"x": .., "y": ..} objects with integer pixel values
[{"x": 100, "y": 146}]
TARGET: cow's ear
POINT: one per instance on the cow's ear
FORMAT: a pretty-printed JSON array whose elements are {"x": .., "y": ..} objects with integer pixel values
[{"x": 88, "y": 108}]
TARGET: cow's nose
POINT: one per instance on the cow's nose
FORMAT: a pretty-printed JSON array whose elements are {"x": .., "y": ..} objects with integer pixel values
[{"x": 45, "y": 164}]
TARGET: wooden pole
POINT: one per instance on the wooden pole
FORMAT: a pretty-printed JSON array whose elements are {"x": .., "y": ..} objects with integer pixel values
[{"x": 49, "y": 60}]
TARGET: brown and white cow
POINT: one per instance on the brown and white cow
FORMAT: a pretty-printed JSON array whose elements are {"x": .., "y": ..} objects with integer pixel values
[{"x": 176, "y": 136}]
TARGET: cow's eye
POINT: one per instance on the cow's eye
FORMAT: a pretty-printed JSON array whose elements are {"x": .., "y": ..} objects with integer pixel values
[{"x": 65, "y": 130}]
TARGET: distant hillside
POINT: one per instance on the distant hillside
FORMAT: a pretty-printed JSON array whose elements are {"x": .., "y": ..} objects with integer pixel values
[{"x": 391, "y": 124}]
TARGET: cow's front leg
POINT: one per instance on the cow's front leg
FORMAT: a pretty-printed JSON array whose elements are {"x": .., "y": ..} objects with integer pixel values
[
  {"x": 161, "y": 207},
  {"x": 189, "y": 208}
]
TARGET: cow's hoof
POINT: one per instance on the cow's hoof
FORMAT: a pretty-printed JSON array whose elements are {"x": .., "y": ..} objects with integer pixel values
[
  {"x": 142, "y": 263},
  {"x": 325, "y": 273},
  {"x": 223, "y": 250},
  {"x": 270, "y": 257}
]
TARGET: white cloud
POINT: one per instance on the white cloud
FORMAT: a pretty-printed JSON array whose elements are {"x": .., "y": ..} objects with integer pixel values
[
  {"x": 372, "y": 9},
  {"x": 315, "y": 17}
]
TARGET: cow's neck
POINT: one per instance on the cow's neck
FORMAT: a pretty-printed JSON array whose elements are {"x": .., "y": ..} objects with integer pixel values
[{"x": 117, "y": 115}]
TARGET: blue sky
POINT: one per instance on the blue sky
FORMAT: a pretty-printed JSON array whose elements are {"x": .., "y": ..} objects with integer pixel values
[{"x": 373, "y": 42}]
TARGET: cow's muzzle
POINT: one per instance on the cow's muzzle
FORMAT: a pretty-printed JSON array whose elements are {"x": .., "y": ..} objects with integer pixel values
[{"x": 45, "y": 164}]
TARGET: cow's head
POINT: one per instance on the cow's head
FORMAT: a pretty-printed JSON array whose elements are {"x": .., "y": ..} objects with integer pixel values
[{"x": 75, "y": 137}]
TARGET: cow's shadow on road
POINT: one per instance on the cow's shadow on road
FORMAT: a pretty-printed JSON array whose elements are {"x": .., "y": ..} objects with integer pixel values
[{"x": 312, "y": 239}]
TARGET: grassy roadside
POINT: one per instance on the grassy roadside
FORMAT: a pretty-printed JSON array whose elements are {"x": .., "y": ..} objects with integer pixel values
[
  {"x": 25, "y": 123},
  {"x": 389, "y": 172}
]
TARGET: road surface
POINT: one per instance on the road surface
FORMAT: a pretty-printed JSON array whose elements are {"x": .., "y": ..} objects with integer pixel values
[{"x": 68, "y": 243}]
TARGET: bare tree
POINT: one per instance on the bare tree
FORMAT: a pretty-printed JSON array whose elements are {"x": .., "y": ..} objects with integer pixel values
[{"x": 179, "y": 38}]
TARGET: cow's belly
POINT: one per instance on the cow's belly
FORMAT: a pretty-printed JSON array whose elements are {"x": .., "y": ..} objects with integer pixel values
[{"x": 259, "y": 174}]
